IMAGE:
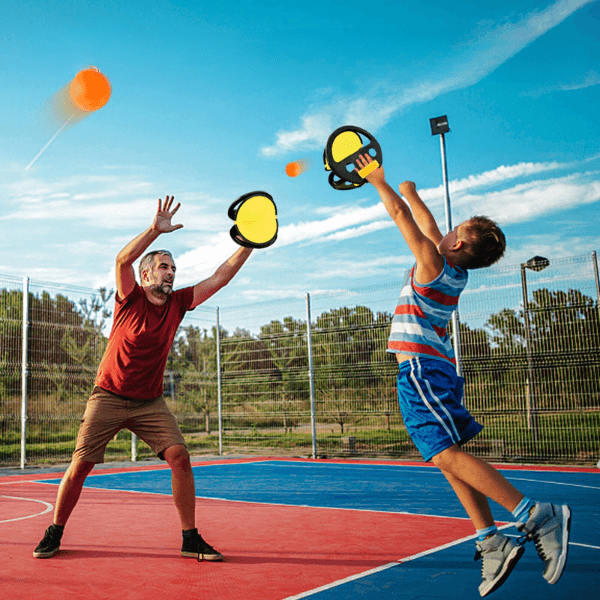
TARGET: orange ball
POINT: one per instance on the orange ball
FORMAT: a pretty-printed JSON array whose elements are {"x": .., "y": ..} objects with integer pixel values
[
  {"x": 89, "y": 90},
  {"x": 293, "y": 169}
]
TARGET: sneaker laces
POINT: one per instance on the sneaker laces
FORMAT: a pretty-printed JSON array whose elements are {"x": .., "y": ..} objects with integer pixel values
[
  {"x": 199, "y": 541},
  {"x": 479, "y": 555},
  {"x": 52, "y": 535},
  {"x": 534, "y": 535}
]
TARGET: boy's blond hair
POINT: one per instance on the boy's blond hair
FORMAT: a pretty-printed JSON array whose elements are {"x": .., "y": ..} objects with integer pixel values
[{"x": 485, "y": 242}]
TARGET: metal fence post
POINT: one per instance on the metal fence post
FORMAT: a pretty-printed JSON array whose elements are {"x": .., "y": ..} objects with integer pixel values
[
  {"x": 24, "y": 370},
  {"x": 219, "y": 392},
  {"x": 596, "y": 278},
  {"x": 530, "y": 386},
  {"x": 133, "y": 447},
  {"x": 311, "y": 379}
]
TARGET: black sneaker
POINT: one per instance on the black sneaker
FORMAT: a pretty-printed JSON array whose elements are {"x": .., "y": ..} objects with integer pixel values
[
  {"x": 195, "y": 547},
  {"x": 50, "y": 545}
]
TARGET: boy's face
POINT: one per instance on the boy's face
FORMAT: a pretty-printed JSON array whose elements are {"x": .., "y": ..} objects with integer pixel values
[{"x": 448, "y": 242}]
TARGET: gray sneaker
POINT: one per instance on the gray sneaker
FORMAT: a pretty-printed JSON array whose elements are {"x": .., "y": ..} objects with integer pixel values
[
  {"x": 548, "y": 526},
  {"x": 499, "y": 555}
]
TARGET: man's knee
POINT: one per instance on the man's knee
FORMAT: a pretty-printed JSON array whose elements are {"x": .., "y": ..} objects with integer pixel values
[
  {"x": 177, "y": 457},
  {"x": 79, "y": 469}
]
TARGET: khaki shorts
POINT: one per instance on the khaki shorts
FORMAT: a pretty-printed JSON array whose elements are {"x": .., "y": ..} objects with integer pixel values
[{"x": 106, "y": 414}]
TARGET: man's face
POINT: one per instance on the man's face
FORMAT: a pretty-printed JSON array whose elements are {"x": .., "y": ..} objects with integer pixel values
[{"x": 161, "y": 275}]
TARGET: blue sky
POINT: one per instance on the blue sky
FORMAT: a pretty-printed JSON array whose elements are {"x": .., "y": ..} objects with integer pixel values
[{"x": 211, "y": 100}]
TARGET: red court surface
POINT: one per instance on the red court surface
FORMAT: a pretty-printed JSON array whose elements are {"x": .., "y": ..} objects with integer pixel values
[{"x": 126, "y": 545}]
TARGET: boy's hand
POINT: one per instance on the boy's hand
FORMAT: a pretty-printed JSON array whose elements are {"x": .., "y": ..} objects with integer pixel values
[
  {"x": 376, "y": 177},
  {"x": 164, "y": 214},
  {"x": 407, "y": 188}
]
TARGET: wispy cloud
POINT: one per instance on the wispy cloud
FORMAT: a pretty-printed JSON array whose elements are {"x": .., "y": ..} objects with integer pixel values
[
  {"x": 589, "y": 79},
  {"x": 318, "y": 229},
  {"x": 528, "y": 201},
  {"x": 510, "y": 193},
  {"x": 505, "y": 173},
  {"x": 490, "y": 47},
  {"x": 104, "y": 202},
  {"x": 513, "y": 203},
  {"x": 356, "y": 268},
  {"x": 542, "y": 244}
]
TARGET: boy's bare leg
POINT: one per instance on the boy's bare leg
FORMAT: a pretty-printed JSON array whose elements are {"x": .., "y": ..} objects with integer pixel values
[
  {"x": 70, "y": 490},
  {"x": 474, "y": 502},
  {"x": 479, "y": 475},
  {"x": 473, "y": 481}
]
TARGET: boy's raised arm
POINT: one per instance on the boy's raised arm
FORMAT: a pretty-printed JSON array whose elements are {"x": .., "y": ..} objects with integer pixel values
[
  {"x": 429, "y": 261},
  {"x": 421, "y": 213}
]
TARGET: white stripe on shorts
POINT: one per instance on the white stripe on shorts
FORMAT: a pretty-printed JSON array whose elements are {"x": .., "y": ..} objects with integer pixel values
[{"x": 454, "y": 436}]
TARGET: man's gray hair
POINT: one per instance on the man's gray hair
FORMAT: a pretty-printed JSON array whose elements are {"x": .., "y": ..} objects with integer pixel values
[{"x": 148, "y": 259}]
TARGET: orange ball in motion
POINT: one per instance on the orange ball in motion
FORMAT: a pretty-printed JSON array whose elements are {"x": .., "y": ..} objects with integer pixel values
[
  {"x": 89, "y": 90},
  {"x": 293, "y": 169},
  {"x": 296, "y": 167}
]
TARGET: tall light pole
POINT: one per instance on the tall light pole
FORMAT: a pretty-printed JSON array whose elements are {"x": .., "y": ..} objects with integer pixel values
[
  {"x": 439, "y": 126},
  {"x": 537, "y": 263}
]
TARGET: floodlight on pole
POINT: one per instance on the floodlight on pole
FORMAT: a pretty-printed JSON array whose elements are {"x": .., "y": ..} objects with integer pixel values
[
  {"x": 439, "y": 126},
  {"x": 537, "y": 263}
]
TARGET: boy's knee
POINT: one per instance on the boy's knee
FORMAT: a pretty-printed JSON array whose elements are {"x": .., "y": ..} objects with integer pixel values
[{"x": 445, "y": 459}]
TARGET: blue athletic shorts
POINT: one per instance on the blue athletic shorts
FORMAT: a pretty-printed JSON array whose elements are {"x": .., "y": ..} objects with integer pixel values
[{"x": 430, "y": 395}]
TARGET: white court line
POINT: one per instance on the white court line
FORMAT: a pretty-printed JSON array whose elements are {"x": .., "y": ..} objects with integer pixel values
[
  {"x": 589, "y": 487},
  {"x": 448, "y": 545},
  {"x": 329, "y": 586},
  {"x": 199, "y": 497},
  {"x": 48, "y": 508},
  {"x": 584, "y": 545},
  {"x": 339, "y": 582},
  {"x": 400, "y": 561}
]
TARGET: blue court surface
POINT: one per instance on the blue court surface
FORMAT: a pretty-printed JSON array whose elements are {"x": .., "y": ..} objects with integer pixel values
[{"x": 445, "y": 570}]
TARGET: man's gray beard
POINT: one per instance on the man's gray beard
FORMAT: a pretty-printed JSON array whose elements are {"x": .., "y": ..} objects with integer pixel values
[{"x": 161, "y": 290}]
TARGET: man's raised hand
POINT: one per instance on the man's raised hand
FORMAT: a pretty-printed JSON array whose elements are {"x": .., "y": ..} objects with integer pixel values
[{"x": 164, "y": 214}]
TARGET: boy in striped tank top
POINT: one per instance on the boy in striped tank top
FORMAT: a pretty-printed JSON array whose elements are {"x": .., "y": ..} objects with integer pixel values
[{"x": 430, "y": 391}]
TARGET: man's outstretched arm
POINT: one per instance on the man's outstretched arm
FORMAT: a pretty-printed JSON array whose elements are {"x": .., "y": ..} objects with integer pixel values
[
  {"x": 221, "y": 277},
  {"x": 128, "y": 255}
]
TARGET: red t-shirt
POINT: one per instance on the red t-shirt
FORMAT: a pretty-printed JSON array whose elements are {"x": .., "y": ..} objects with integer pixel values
[{"x": 141, "y": 337}]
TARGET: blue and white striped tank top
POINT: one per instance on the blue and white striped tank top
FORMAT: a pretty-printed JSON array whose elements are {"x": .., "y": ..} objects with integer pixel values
[{"x": 420, "y": 321}]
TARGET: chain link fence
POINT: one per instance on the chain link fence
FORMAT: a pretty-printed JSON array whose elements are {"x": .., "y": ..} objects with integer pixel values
[{"x": 309, "y": 376}]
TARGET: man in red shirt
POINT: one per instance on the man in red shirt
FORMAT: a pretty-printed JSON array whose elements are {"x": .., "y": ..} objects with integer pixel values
[{"x": 129, "y": 384}]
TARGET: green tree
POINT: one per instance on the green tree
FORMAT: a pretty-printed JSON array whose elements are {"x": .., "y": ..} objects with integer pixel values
[
  {"x": 192, "y": 372},
  {"x": 564, "y": 347},
  {"x": 349, "y": 351}
]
